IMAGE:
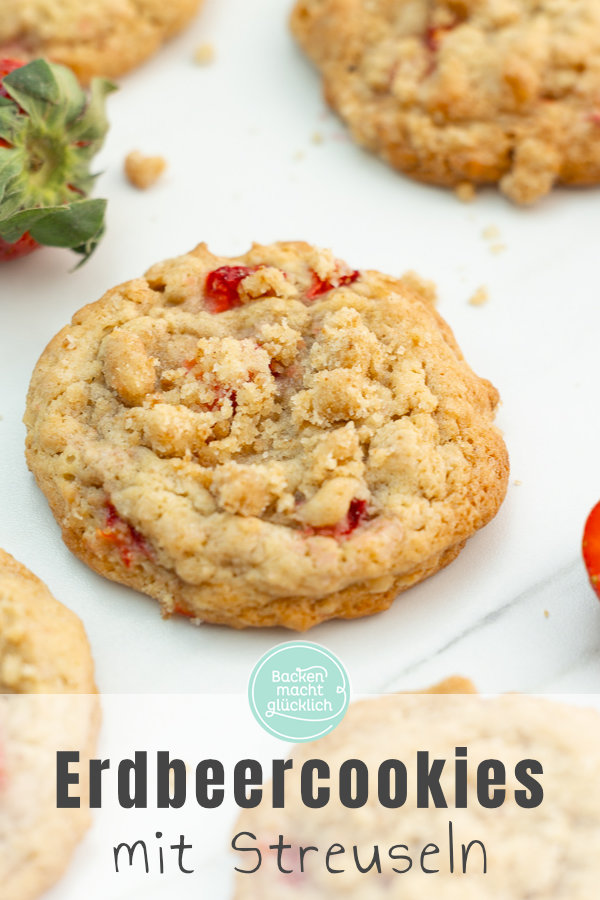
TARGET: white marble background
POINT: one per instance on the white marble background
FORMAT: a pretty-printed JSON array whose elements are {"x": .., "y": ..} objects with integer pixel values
[{"x": 515, "y": 611}]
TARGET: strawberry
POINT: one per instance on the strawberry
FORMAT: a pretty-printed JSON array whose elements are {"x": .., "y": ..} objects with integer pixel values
[
  {"x": 356, "y": 515},
  {"x": 49, "y": 132},
  {"x": 319, "y": 286},
  {"x": 222, "y": 286},
  {"x": 6, "y": 67},
  {"x": 591, "y": 547},
  {"x": 128, "y": 541},
  {"x": 25, "y": 244}
]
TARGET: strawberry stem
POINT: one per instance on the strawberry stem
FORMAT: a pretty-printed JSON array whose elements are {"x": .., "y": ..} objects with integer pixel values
[{"x": 50, "y": 130}]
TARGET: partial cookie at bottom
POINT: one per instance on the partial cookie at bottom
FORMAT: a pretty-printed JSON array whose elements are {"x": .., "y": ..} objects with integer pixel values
[
  {"x": 549, "y": 852},
  {"x": 47, "y": 703}
]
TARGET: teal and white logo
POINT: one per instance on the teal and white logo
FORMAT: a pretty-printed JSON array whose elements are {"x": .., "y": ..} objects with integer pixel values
[{"x": 299, "y": 691}]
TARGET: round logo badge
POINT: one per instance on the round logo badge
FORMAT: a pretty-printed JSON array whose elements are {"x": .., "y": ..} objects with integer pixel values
[{"x": 299, "y": 691}]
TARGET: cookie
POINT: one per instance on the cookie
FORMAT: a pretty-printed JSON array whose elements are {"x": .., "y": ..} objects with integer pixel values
[
  {"x": 103, "y": 37},
  {"x": 43, "y": 645},
  {"x": 459, "y": 92},
  {"x": 550, "y": 852},
  {"x": 273, "y": 439},
  {"x": 47, "y": 703}
]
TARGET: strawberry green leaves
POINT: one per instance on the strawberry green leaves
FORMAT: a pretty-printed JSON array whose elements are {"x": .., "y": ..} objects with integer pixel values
[
  {"x": 71, "y": 225},
  {"x": 50, "y": 130}
]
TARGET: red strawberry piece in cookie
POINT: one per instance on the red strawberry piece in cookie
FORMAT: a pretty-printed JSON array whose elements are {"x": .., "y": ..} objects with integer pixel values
[
  {"x": 323, "y": 285},
  {"x": 222, "y": 289},
  {"x": 129, "y": 542},
  {"x": 355, "y": 516}
]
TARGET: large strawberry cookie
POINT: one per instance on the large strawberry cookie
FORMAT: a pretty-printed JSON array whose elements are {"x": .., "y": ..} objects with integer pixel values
[
  {"x": 47, "y": 704},
  {"x": 93, "y": 37},
  {"x": 275, "y": 439},
  {"x": 539, "y": 831},
  {"x": 474, "y": 91}
]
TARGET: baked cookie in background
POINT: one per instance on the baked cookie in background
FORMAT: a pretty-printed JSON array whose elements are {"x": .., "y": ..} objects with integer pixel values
[
  {"x": 48, "y": 703},
  {"x": 273, "y": 439},
  {"x": 465, "y": 91},
  {"x": 550, "y": 852},
  {"x": 93, "y": 37}
]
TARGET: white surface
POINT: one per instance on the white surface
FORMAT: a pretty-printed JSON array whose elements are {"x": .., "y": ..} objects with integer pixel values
[{"x": 243, "y": 166}]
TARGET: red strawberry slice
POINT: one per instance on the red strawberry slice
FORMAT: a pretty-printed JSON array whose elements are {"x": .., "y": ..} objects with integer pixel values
[
  {"x": 6, "y": 67},
  {"x": 433, "y": 36},
  {"x": 591, "y": 547},
  {"x": 180, "y": 610},
  {"x": 321, "y": 286},
  {"x": 357, "y": 511},
  {"x": 356, "y": 515},
  {"x": 128, "y": 541},
  {"x": 26, "y": 244},
  {"x": 222, "y": 288}
]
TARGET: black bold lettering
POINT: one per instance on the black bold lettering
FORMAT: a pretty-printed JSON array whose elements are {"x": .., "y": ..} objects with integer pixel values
[
  {"x": 280, "y": 767},
  {"x": 534, "y": 793},
  {"x": 247, "y": 774},
  {"x": 460, "y": 778},
  {"x": 164, "y": 767},
  {"x": 428, "y": 781},
  {"x": 210, "y": 778},
  {"x": 64, "y": 778},
  {"x": 138, "y": 767},
  {"x": 491, "y": 773},
  {"x": 311, "y": 798},
  {"x": 392, "y": 784},
  {"x": 97, "y": 766},
  {"x": 353, "y": 797}
]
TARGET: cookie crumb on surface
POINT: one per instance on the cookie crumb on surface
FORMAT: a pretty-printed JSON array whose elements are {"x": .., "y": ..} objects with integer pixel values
[
  {"x": 204, "y": 54},
  {"x": 465, "y": 191},
  {"x": 480, "y": 297},
  {"x": 143, "y": 171},
  {"x": 546, "y": 613},
  {"x": 317, "y": 137},
  {"x": 491, "y": 233},
  {"x": 517, "y": 482}
]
